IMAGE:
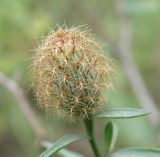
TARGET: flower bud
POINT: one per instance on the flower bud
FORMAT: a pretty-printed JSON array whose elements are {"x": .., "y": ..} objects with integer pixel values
[{"x": 70, "y": 72}]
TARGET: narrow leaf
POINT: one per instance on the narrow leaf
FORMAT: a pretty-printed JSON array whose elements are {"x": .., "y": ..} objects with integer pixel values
[
  {"x": 137, "y": 152},
  {"x": 121, "y": 113},
  {"x": 63, "y": 152},
  {"x": 61, "y": 143},
  {"x": 110, "y": 134}
]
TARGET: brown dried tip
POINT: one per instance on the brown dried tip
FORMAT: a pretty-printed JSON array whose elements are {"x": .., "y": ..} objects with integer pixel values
[{"x": 70, "y": 73}]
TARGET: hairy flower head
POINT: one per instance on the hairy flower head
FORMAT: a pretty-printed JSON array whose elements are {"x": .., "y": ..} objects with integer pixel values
[{"x": 70, "y": 72}]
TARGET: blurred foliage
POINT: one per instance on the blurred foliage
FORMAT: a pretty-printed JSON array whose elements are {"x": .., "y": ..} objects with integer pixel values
[{"x": 23, "y": 22}]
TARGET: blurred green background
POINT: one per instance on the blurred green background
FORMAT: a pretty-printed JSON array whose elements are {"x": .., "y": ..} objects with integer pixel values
[{"x": 24, "y": 22}]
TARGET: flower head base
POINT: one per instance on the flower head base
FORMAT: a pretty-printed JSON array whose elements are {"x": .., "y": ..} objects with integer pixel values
[{"x": 69, "y": 73}]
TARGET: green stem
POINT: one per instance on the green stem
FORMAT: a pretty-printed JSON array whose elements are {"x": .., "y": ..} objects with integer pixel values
[{"x": 89, "y": 128}]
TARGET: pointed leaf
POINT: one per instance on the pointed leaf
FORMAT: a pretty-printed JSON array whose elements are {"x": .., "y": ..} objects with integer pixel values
[
  {"x": 121, "y": 113},
  {"x": 110, "y": 134},
  {"x": 137, "y": 152},
  {"x": 61, "y": 143},
  {"x": 63, "y": 152}
]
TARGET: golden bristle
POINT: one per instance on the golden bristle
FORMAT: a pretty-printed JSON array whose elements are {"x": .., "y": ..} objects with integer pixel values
[{"x": 69, "y": 73}]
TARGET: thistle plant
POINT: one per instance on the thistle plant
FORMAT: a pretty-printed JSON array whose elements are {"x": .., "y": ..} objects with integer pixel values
[
  {"x": 70, "y": 72},
  {"x": 70, "y": 75}
]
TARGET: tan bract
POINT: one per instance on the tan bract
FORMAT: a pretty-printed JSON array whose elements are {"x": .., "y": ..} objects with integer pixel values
[{"x": 69, "y": 73}]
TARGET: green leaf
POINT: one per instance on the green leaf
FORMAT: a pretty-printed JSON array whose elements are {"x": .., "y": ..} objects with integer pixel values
[
  {"x": 63, "y": 152},
  {"x": 110, "y": 134},
  {"x": 121, "y": 113},
  {"x": 137, "y": 152},
  {"x": 69, "y": 153},
  {"x": 61, "y": 143}
]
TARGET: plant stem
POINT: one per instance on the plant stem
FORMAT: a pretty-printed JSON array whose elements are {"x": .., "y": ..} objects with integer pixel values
[{"x": 89, "y": 128}]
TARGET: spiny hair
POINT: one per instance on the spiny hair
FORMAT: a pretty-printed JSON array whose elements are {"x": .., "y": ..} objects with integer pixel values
[{"x": 70, "y": 73}]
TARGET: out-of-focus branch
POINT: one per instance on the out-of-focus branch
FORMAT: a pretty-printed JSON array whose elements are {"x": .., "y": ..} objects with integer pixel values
[
  {"x": 12, "y": 86},
  {"x": 132, "y": 72},
  {"x": 123, "y": 49}
]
